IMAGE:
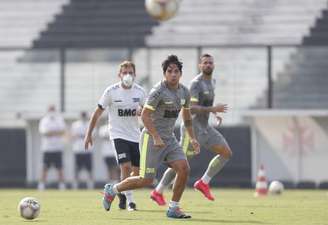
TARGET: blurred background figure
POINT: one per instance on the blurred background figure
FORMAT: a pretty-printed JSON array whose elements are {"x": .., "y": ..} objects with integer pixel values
[
  {"x": 109, "y": 155},
  {"x": 52, "y": 128},
  {"x": 82, "y": 158}
]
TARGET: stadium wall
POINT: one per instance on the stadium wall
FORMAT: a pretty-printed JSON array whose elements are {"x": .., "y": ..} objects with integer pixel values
[
  {"x": 291, "y": 144},
  {"x": 13, "y": 157},
  {"x": 237, "y": 172}
]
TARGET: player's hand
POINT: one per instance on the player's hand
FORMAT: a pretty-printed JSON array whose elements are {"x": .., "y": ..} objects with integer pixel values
[
  {"x": 87, "y": 142},
  {"x": 195, "y": 146},
  {"x": 220, "y": 108},
  {"x": 158, "y": 142},
  {"x": 139, "y": 110},
  {"x": 218, "y": 119}
]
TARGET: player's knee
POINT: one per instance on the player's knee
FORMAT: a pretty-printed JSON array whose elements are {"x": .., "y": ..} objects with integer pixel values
[
  {"x": 184, "y": 169},
  {"x": 187, "y": 169},
  {"x": 227, "y": 153}
]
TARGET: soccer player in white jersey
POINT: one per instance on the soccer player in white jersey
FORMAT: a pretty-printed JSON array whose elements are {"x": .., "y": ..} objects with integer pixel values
[
  {"x": 124, "y": 101},
  {"x": 52, "y": 128},
  {"x": 83, "y": 159}
]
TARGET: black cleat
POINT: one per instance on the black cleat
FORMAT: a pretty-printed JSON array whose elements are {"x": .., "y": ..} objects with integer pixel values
[
  {"x": 122, "y": 204},
  {"x": 132, "y": 206}
]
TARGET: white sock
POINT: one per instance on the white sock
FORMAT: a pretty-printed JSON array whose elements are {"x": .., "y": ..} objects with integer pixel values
[
  {"x": 173, "y": 204},
  {"x": 129, "y": 196},
  {"x": 206, "y": 179},
  {"x": 115, "y": 189},
  {"x": 166, "y": 180},
  {"x": 160, "y": 188},
  {"x": 214, "y": 167}
]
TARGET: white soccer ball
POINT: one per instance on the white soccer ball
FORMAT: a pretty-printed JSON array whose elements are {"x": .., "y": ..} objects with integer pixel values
[
  {"x": 162, "y": 9},
  {"x": 276, "y": 188},
  {"x": 29, "y": 208}
]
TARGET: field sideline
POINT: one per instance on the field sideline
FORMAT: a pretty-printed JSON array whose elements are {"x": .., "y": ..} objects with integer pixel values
[{"x": 232, "y": 206}]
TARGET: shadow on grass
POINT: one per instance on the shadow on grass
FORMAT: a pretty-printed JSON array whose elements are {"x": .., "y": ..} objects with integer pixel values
[
  {"x": 164, "y": 211},
  {"x": 218, "y": 221},
  {"x": 228, "y": 221},
  {"x": 35, "y": 221}
]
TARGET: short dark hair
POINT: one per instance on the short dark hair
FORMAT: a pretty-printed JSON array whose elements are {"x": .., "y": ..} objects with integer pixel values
[
  {"x": 171, "y": 59},
  {"x": 205, "y": 55}
]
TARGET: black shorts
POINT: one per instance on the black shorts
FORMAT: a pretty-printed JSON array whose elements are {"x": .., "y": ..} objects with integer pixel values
[
  {"x": 52, "y": 158},
  {"x": 110, "y": 162},
  {"x": 127, "y": 151},
  {"x": 83, "y": 160}
]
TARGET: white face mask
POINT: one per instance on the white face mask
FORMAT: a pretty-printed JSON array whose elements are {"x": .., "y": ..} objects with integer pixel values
[{"x": 127, "y": 80}]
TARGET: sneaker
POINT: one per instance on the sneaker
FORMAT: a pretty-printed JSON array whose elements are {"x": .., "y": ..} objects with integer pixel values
[
  {"x": 109, "y": 196},
  {"x": 122, "y": 204},
  {"x": 176, "y": 213},
  {"x": 157, "y": 197},
  {"x": 204, "y": 188},
  {"x": 132, "y": 206}
]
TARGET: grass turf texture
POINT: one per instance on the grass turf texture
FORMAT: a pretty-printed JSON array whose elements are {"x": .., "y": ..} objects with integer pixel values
[{"x": 232, "y": 206}]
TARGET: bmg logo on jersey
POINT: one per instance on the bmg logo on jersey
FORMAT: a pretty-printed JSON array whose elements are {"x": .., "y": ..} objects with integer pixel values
[
  {"x": 127, "y": 112},
  {"x": 171, "y": 113}
]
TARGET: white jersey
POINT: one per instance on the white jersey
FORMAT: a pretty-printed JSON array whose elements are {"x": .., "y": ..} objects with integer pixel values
[
  {"x": 52, "y": 123},
  {"x": 107, "y": 147},
  {"x": 78, "y": 131},
  {"x": 122, "y": 106}
]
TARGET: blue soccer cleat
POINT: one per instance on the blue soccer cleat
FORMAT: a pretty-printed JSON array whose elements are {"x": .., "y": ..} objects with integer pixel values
[
  {"x": 109, "y": 196},
  {"x": 176, "y": 213}
]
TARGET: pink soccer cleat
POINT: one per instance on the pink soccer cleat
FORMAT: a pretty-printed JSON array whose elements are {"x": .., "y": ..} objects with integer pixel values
[
  {"x": 158, "y": 198},
  {"x": 204, "y": 188}
]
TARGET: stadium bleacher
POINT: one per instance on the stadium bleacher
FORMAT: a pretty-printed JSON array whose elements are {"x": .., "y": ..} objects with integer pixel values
[
  {"x": 21, "y": 21},
  {"x": 99, "y": 23},
  {"x": 96, "y": 24},
  {"x": 214, "y": 22}
]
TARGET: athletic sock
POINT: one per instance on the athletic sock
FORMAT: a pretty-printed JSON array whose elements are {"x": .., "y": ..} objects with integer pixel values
[
  {"x": 166, "y": 180},
  {"x": 114, "y": 189},
  {"x": 173, "y": 204},
  {"x": 215, "y": 165},
  {"x": 129, "y": 196}
]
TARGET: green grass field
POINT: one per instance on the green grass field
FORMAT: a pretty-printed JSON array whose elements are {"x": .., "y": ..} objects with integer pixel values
[{"x": 232, "y": 206}]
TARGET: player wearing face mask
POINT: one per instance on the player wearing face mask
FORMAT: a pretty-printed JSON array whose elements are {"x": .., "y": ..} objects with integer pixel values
[
  {"x": 124, "y": 101},
  {"x": 127, "y": 80}
]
